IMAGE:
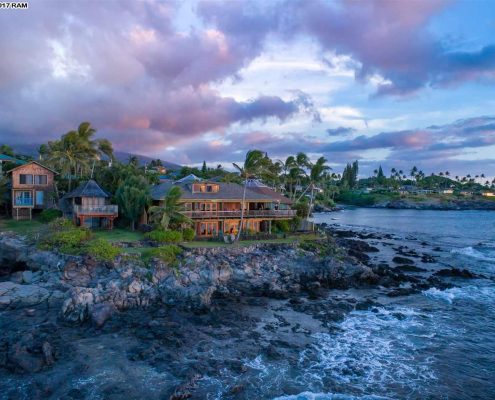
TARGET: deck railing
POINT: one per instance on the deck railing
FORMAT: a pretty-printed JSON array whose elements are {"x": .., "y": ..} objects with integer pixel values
[
  {"x": 96, "y": 210},
  {"x": 23, "y": 202},
  {"x": 237, "y": 214}
]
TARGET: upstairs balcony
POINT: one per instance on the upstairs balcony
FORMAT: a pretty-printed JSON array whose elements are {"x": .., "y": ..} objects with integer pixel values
[
  {"x": 95, "y": 211},
  {"x": 274, "y": 214}
]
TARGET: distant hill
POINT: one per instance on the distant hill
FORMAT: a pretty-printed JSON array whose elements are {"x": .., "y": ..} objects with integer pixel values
[{"x": 32, "y": 150}]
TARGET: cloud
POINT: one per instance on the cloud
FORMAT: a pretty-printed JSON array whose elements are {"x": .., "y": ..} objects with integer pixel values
[
  {"x": 341, "y": 131},
  {"x": 389, "y": 42},
  {"x": 129, "y": 71}
]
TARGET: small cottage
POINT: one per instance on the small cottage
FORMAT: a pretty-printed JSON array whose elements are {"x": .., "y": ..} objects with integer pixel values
[
  {"x": 89, "y": 205},
  {"x": 33, "y": 189}
]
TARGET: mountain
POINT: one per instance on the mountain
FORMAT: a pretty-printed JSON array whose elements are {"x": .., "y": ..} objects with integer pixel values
[{"x": 122, "y": 156}]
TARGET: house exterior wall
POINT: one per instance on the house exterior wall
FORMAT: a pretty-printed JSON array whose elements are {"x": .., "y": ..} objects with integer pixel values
[{"x": 32, "y": 193}]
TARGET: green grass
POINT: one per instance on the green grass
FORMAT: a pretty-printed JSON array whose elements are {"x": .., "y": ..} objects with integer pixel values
[
  {"x": 119, "y": 235},
  {"x": 20, "y": 227},
  {"x": 243, "y": 243}
]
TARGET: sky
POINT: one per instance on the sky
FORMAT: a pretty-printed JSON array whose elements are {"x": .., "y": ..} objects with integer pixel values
[{"x": 391, "y": 83}]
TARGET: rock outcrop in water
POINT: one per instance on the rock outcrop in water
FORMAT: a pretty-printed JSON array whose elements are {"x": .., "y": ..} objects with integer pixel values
[{"x": 438, "y": 204}]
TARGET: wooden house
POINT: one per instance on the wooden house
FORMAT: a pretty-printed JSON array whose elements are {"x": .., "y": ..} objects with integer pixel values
[
  {"x": 33, "y": 189},
  {"x": 89, "y": 205},
  {"x": 215, "y": 207}
]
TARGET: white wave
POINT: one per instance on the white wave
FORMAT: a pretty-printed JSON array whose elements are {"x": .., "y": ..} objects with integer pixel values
[
  {"x": 473, "y": 253},
  {"x": 374, "y": 351},
  {"x": 328, "y": 396},
  {"x": 473, "y": 293}
]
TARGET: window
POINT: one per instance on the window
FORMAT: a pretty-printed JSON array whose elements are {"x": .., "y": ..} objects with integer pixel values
[
  {"x": 40, "y": 179},
  {"x": 205, "y": 188},
  {"x": 25, "y": 179},
  {"x": 23, "y": 198}
]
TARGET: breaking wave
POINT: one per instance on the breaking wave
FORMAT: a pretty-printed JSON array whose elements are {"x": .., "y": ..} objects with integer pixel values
[
  {"x": 487, "y": 255},
  {"x": 375, "y": 351},
  {"x": 472, "y": 293},
  {"x": 328, "y": 396}
]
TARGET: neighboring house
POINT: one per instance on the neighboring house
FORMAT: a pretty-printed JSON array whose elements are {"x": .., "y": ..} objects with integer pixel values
[
  {"x": 466, "y": 193},
  {"x": 488, "y": 194},
  {"x": 4, "y": 158},
  {"x": 446, "y": 191},
  {"x": 33, "y": 188},
  {"x": 89, "y": 205},
  {"x": 215, "y": 207}
]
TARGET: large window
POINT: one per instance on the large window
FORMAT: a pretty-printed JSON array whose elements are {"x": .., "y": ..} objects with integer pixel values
[
  {"x": 25, "y": 179},
  {"x": 40, "y": 179},
  {"x": 205, "y": 188},
  {"x": 208, "y": 228},
  {"x": 23, "y": 198}
]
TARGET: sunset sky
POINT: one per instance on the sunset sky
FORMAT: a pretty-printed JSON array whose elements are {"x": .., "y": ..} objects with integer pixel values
[{"x": 396, "y": 83}]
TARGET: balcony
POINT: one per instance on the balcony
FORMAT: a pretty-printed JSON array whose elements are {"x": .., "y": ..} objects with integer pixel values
[
  {"x": 96, "y": 210},
  {"x": 23, "y": 202},
  {"x": 237, "y": 214}
]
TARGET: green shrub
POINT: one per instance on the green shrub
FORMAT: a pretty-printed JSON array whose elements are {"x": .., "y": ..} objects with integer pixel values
[
  {"x": 49, "y": 215},
  {"x": 101, "y": 249},
  {"x": 163, "y": 236},
  {"x": 62, "y": 234},
  {"x": 60, "y": 224},
  {"x": 188, "y": 234},
  {"x": 295, "y": 223},
  {"x": 281, "y": 226},
  {"x": 167, "y": 254}
]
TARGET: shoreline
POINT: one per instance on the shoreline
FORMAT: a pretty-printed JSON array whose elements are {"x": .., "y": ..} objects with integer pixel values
[{"x": 238, "y": 324}]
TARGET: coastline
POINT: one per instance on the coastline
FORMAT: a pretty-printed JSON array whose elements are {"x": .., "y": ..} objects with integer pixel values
[{"x": 263, "y": 305}]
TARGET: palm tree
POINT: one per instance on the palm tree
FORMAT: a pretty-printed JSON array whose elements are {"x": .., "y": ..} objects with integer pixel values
[
  {"x": 169, "y": 213},
  {"x": 255, "y": 162},
  {"x": 316, "y": 174}
]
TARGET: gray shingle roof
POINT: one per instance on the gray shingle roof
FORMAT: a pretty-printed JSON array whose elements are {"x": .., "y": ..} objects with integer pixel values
[
  {"x": 227, "y": 191},
  {"x": 88, "y": 189}
]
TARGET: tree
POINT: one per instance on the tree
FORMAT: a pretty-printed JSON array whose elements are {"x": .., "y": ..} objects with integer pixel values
[
  {"x": 132, "y": 196},
  {"x": 169, "y": 213},
  {"x": 76, "y": 152},
  {"x": 316, "y": 174},
  {"x": 204, "y": 170},
  {"x": 3, "y": 191},
  {"x": 254, "y": 163},
  {"x": 7, "y": 150},
  {"x": 380, "y": 176}
]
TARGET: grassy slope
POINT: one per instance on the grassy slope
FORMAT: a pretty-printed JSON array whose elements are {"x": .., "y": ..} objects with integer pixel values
[{"x": 20, "y": 227}]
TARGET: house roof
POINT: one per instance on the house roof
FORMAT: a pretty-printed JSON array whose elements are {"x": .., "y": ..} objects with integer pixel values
[
  {"x": 189, "y": 178},
  {"x": 88, "y": 189},
  {"x": 7, "y": 158},
  {"x": 34, "y": 162},
  {"x": 227, "y": 191}
]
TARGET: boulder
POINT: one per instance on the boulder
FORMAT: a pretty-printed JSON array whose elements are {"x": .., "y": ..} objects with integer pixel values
[
  {"x": 100, "y": 313},
  {"x": 14, "y": 295}
]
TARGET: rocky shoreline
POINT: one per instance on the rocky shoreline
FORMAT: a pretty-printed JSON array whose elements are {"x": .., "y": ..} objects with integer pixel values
[
  {"x": 438, "y": 204},
  {"x": 194, "y": 322}
]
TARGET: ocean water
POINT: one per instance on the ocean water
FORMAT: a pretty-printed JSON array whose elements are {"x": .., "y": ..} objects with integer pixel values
[{"x": 437, "y": 344}]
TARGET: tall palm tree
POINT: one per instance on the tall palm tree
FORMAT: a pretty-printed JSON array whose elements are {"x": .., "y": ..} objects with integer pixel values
[
  {"x": 255, "y": 162},
  {"x": 169, "y": 212},
  {"x": 316, "y": 174}
]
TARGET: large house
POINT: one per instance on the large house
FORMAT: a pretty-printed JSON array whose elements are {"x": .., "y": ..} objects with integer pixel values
[
  {"x": 33, "y": 189},
  {"x": 215, "y": 207},
  {"x": 89, "y": 205}
]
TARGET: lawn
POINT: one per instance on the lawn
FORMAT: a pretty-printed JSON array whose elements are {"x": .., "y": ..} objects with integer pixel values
[
  {"x": 21, "y": 227},
  {"x": 119, "y": 235},
  {"x": 243, "y": 243}
]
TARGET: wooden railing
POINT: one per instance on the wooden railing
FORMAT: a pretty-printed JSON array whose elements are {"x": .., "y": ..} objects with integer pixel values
[
  {"x": 96, "y": 210},
  {"x": 237, "y": 214}
]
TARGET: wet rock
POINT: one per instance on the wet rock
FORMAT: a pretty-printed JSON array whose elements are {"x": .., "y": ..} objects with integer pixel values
[
  {"x": 47, "y": 353},
  {"x": 456, "y": 273},
  {"x": 409, "y": 268},
  {"x": 402, "y": 260}
]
